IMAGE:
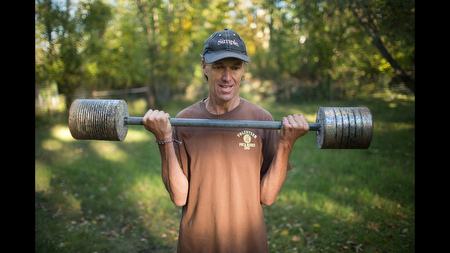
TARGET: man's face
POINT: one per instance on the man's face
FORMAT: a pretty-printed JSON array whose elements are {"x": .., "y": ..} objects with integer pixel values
[{"x": 224, "y": 77}]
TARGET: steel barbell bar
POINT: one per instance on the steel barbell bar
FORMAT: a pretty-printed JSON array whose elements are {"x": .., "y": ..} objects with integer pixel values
[
  {"x": 336, "y": 127},
  {"x": 220, "y": 123}
]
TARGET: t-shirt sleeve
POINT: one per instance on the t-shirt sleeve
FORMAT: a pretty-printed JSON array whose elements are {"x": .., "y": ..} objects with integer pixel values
[{"x": 180, "y": 152}]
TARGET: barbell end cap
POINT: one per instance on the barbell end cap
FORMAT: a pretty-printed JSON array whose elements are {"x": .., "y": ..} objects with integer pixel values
[
  {"x": 95, "y": 119},
  {"x": 367, "y": 128}
]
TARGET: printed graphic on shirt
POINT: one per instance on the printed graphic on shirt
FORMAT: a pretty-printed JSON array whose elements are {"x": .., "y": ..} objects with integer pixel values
[{"x": 247, "y": 138}]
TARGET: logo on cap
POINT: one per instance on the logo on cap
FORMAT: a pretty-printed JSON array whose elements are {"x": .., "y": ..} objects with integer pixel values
[{"x": 232, "y": 42}]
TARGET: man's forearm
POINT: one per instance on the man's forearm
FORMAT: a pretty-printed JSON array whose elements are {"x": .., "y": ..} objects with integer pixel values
[
  {"x": 274, "y": 178},
  {"x": 173, "y": 177}
]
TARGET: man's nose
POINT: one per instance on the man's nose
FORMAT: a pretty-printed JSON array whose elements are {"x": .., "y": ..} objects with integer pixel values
[{"x": 226, "y": 75}]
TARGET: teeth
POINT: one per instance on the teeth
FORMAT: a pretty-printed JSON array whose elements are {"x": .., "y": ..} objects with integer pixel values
[{"x": 226, "y": 88}]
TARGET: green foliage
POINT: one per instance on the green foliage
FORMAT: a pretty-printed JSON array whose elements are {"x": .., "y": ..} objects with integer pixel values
[
  {"x": 304, "y": 49},
  {"x": 103, "y": 196}
]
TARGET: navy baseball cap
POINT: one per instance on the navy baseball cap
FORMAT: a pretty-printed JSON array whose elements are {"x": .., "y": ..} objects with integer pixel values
[{"x": 224, "y": 44}]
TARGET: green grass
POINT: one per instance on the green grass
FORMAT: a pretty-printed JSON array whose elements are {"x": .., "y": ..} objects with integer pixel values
[{"x": 100, "y": 196}]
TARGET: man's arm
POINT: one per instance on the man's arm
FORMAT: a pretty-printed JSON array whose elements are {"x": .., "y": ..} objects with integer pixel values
[
  {"x": 294, "y": 126},
  {"x": 173, "y": 177}
]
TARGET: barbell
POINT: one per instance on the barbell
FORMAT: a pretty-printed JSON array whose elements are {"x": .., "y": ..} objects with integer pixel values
[{"x": 108, "y": 119}]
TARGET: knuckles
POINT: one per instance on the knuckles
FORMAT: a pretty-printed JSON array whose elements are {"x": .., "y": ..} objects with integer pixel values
[
  {"x": 295, "y": 125},
  {"x": 154, "y": 118}
]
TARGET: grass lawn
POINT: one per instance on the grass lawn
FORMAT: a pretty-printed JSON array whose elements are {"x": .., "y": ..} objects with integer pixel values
[{"x": 102, "y": 196}]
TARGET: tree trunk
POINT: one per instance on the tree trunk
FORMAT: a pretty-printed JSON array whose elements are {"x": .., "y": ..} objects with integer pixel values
[
  {"x": 407, "y": 80},
  {"x": 372, "y": 29},
  {"x": 150, "y": 97},
  {"x": 151, "y": 81}
]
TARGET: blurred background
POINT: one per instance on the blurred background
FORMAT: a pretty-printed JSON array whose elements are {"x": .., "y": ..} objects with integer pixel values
[
  {"x": 104, "y": 196},
  {"x": 299, "y": 50}
]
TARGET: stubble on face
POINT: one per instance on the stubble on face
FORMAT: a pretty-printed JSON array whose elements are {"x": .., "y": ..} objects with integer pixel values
[{"x": 224, "y": 78}]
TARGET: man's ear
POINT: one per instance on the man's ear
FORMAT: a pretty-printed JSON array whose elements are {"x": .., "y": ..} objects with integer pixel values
[
  {"x": 203, "y": 63},
  {"x": 204, "y": 67}
]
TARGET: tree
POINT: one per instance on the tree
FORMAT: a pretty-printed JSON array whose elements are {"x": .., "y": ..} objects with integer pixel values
[
  {"x": 318, "y": 45},
  {"x": 57, "y": 34},
  {"x": 369, "y": 19},
  {"x": 298, "y": 49},
  {"x": 71, "y": 38}
]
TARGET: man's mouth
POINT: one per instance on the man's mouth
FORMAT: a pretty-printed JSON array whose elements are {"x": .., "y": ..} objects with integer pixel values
[{"x": 226, "y": 88}]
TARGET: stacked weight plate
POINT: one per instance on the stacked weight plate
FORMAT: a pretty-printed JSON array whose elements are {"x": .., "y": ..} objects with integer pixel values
[{"x": 344, "y": 128}]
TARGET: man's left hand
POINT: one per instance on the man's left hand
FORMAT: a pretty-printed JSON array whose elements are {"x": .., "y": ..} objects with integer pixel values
[{"x": 294, "y": 127}]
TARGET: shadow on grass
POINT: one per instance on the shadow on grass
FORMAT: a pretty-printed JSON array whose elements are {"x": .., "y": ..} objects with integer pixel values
[
  {"x": 99, "y": 196},
  {"x": 350, "y": 200}
]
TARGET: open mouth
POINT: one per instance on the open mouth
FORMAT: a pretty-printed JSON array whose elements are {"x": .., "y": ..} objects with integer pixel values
[{"x": 226, "y": 88}]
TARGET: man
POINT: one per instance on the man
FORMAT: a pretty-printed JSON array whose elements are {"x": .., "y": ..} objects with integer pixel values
[{"x": 222, "y": 176}]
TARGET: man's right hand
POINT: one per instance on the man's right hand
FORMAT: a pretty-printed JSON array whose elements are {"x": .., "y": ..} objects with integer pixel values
[{"x": 158, "y": 123}]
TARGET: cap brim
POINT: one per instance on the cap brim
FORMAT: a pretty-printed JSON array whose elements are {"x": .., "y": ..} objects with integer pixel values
[{"x": 216, "y": 56}]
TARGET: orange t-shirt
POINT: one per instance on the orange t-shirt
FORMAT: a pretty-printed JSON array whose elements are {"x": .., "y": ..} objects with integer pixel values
[{"x": 224, "y": 167}]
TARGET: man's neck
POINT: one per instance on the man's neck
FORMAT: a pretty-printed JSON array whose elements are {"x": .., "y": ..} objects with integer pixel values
[{"x": 217, "y": 108}]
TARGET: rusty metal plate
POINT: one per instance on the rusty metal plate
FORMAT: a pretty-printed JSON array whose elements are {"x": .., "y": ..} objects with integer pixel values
[{"x": 94, "y": 119}]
